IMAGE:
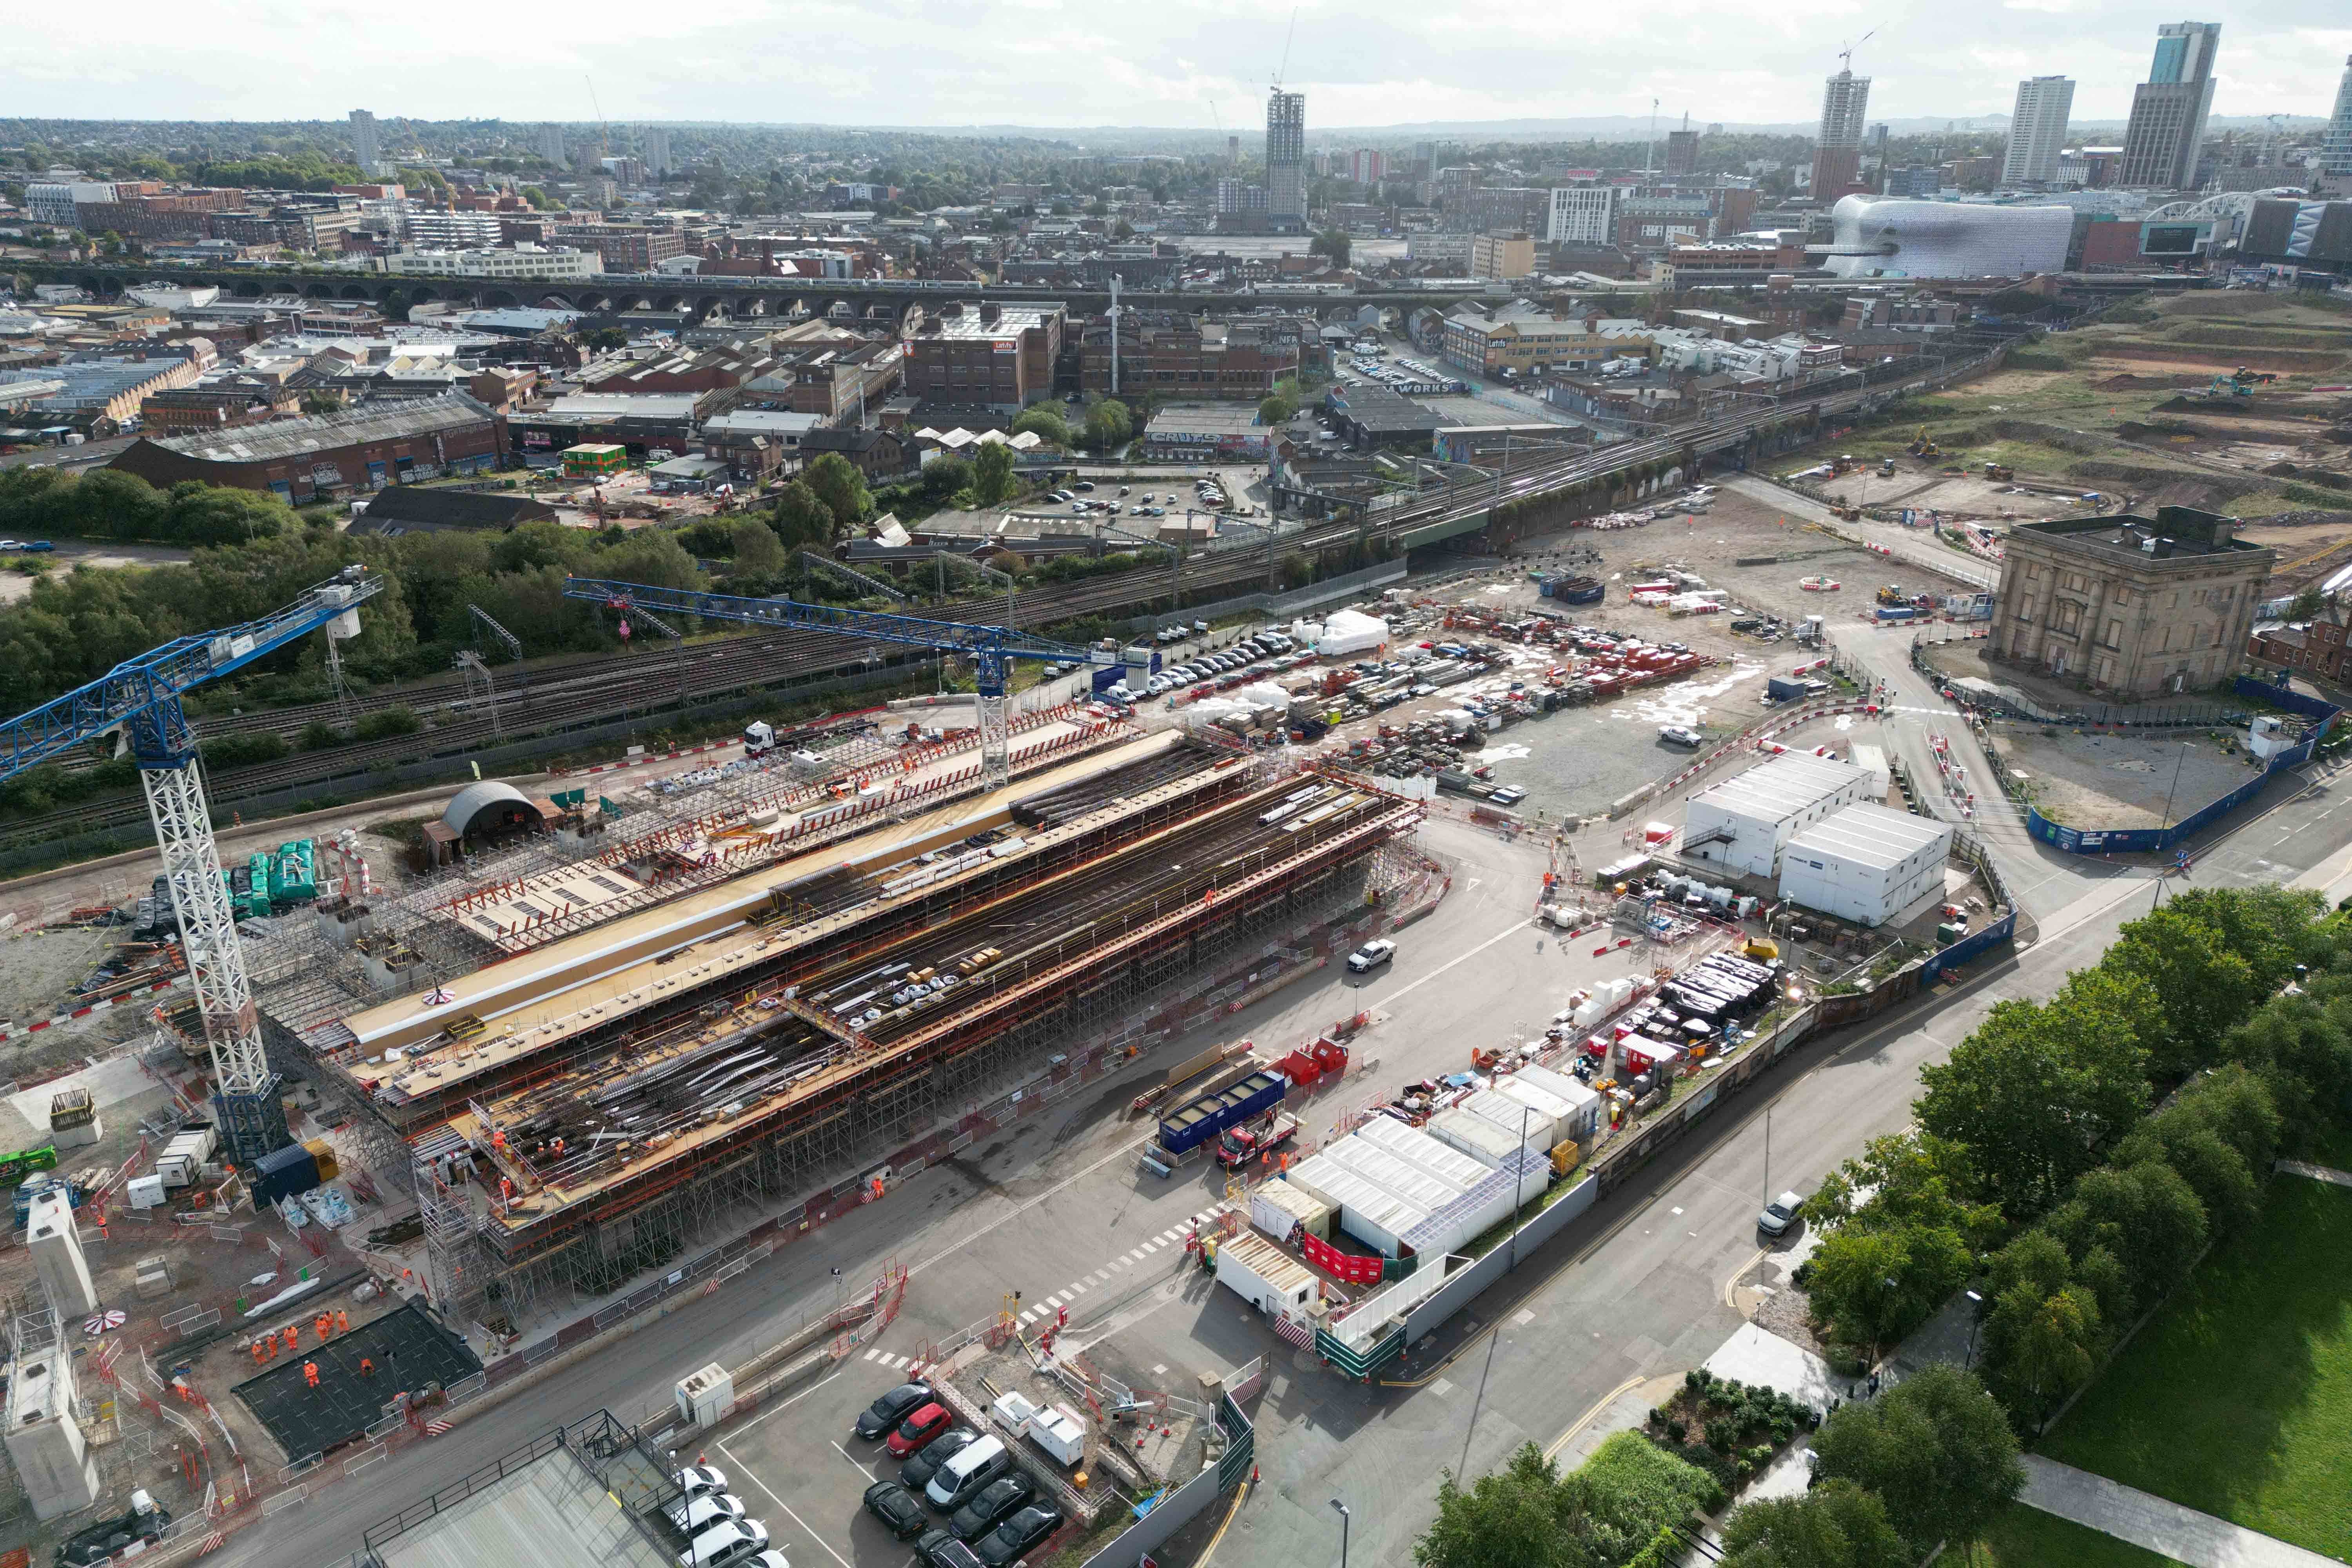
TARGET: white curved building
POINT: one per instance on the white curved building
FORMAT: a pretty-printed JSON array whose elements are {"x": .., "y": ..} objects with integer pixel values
[{"x": 1875, "y": 237}]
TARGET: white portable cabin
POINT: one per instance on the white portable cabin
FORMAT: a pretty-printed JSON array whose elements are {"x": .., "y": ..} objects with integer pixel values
[
  {"x": 1583, "y": 1103},
  {"x": 1371, "y": 1215},
  {"x": 1418, "y": 1149},
  {"x": 1392, "y": 1175},
  {"x": 1474, "y": 1136},
  {"x": 1866, "y": 864},
  {"x": 1523, "y": 1119},
  {"x": 1278, "y": 1208},
  {"x": 1744, "y": 822},
  {"x": 1266, "y": 1278}
]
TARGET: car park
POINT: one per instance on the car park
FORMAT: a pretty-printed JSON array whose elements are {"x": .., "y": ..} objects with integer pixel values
[
  {"x": 1017, "y": 1536},
  {"x": 990, "y": 1505},
  {"x": 917, "y": 1472},
  {"x": 891, "y": 1408},
  {"x": 964, "y": 1476},
  {"x": 1370, "y": 956},
  {"x": 940, "y": 1549},
  {"x": 900, "y": 1511},
  {"x": 1086, "y": 485},
  {"x": 695, "y": 1479},
  {"x": 724, "y": 1545},
  {"x": 698, "y": 1514}
]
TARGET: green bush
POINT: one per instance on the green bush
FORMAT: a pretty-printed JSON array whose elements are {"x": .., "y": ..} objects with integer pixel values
[
  {"x": 318, "y": 735},
  {"x": 386, "y": 722},
  {"x": 242, "y": 750},
  {"x": 1722, "y": 1435}
]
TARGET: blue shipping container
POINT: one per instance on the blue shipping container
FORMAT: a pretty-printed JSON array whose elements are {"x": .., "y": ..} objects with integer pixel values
[
  {"x": 1211, "y": 1114},
  {"x": 1889, "y": 613}
]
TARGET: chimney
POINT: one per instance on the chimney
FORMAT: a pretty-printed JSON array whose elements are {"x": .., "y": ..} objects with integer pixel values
[{"x": 989, "y": 312}]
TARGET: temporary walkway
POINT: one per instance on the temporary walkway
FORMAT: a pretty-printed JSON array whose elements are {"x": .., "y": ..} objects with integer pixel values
[{"x": 2164, "y": 1528}]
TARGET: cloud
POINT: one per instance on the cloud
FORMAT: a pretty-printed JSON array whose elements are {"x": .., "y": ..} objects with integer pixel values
[{"x": 1076, "y": 63}]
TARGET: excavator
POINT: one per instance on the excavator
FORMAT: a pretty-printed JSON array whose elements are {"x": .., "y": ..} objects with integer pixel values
[
  {"x": 2246, "y": 377},
  {"x": 1923, "y": 445}
]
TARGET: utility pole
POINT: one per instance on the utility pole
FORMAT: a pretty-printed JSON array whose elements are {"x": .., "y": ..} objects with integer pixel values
[{"x": 1114, "y": 334}]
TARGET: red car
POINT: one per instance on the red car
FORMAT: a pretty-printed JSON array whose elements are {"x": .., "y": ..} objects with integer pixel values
[{"x": 927, "y": 1422}]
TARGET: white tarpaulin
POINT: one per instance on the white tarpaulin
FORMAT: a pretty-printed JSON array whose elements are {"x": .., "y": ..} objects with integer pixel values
[{"x": 1349, "y": 632}]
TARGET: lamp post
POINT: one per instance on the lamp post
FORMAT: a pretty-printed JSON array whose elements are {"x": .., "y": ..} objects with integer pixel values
[
  {"x": 1976, "y": 1318},
  {"x": 2168, "y": 794},
  {"x": 1342, "y": 1509}
]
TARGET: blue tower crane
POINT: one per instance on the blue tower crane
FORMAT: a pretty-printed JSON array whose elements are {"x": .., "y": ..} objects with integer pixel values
[
  {"x": 993, "y": 649},
  {"x": 139, "y": 700}
]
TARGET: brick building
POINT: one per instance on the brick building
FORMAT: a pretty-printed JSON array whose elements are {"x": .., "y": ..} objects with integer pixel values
[
  {"x": 219, "y": 405},
  {"x": 357, "y": 453},
  {"x": 2129, "y": 605},
  {"x": 2319, "y": 646},
  {"x": 625, "y": 247},
  {"x": 1187, "y": 358},
  {"x": 999, "y": 355}
]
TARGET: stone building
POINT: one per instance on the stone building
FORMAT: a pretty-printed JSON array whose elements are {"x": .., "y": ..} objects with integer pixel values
[{"x": 2129, "y": 606}]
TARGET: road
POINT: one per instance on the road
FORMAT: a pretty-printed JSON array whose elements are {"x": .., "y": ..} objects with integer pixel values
[{"x": 1634, "y": 1289}]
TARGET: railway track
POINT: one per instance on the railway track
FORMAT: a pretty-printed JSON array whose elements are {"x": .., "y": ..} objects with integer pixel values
[{"x": 583, "y": 688}]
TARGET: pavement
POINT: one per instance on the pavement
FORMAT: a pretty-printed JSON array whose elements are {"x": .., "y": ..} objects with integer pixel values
[
  {"x": 2165, "y": 1527},
  {"x": 1636, "y": 1289}
]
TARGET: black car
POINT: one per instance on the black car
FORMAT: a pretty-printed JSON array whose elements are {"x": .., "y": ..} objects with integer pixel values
[
  {"x": 917, "y": 1472},
  {"x": 987, "y": 1509},
  {"x": 892, "y": 1408},
  {"x": 900, "y": 1511},
  {"x": 937, "y": 1548},
  {"x": 1008, "y": 1541}
]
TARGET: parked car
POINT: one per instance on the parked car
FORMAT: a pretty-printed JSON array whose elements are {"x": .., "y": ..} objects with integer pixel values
[
  {"x": 1370, "y": 956},
  {"x": 1779, "y": 1216},
  {"x": 697, "y": 1479},
  {"x": 892, "y": 1408},
  {"x": 1508, "y": 794},
  {"x": 921, "y": 1424},
  {"x": 938, "y": 1549},
  {"x": 917, "y": 1472},
  {"x": 900, "y": 1511},
  {"x": 1682, "y": 735},
  {"x": 723, "y": 1545},
  {"x": 1009, "y": 1542},
  {"x": 990, "y": 1505}
]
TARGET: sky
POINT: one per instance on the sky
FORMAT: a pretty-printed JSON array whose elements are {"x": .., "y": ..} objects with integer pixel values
[{"x": 1199, "y": 64}]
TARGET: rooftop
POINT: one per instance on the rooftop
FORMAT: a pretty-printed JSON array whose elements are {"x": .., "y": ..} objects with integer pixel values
[
  {"x": 1780, "y": 788},
  {"x": 1873, "y": 836},
  {"x": 296, "y": 437},
  {"x": 2176, "y": 532}
]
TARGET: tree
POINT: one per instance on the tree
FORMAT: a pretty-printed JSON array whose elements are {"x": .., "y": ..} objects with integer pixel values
[
  {"x": 2204, "y": 987},
  {"x": 1910, "y": 1179},
  {"x": 943, "y": 477},
  {"x": 1108, "y": 425},
  {"x": 1333, "y": 243},
  {"x": 2040, "y": 1091},
  {"x": 757, "y": 548},
  {"x": 2271, "y": 928},
  {"x": 2046, "y": 1330},
  {"x": 1512, "y": 1518},
  {"x": 2146, "y": 1214},
  {"x": 992, "y": 473},
  {"x": 539, "y": 199},
  {"x": 1276, "y": 409},
  {"x": 1872, "y": 1286},
  {"x": 606, "y": 339},
  {"x": 1047, "y": 423},
  {"x": 1835, "y": 1525},
  {"x": 1935, "y": 1448},
  {"x": 838, "y": 484},
  {"x": 801, "y": 521}
]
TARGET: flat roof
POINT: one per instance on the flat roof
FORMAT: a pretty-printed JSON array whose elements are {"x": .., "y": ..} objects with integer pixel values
[
  {"x": 296, "y": 437},
  {"x": 552, "y": 1512},
  {"x": 1871, "y": 835},
  {"x": 1780, "y": 789}
]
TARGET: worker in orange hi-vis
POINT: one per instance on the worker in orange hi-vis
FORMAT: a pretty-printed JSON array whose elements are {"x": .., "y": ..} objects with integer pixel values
[
  {"x": 311, "y": 1372},
  {"x": 343, "y": 1321},
  {"x": 257, "y": 1357},
  {"x": 322, "y": 1325},
  {"x": 367, "y": 1367},
  {"x": 293, "y": 1336}
]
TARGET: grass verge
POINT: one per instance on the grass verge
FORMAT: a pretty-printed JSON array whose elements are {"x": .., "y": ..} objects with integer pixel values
[
  {"x": 2028, "y": 1538},
  {"x": 2237, "y": 1400}
]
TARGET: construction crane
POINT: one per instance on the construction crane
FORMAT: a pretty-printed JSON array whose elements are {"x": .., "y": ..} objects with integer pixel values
[
  {"x": 139, "y": 701},
  {"x": 1845, "y": 55},
  {"x": 992, "y": 649}
]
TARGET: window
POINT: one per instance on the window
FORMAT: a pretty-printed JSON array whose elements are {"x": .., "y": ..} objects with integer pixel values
[{"x": 2114, "y": 637}]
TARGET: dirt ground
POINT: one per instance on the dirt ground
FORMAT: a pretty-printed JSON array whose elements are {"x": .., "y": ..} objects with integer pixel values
[
  {"x": 2122, "y": 780},
  {"x": 18, "y": 586}
]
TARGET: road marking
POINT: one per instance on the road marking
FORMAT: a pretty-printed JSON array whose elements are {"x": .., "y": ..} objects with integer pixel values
[
  {"x": 1525, "y": 1318},
  {"x": 1100, "y": 1274},
  {"x": 1078, "y": 1290},
  {"x": 1132, "y": 1256},
  {"x": 861, "y": 1469},
  {"x": 871, "y": 1352},
  {"x": 781, "y": 1503},
  {"x": 1591, "y": 1415},
  {"x": 1441, "y": 1388},
  {"x": 1514, "y": 929},
  {"x": 779, "y": 1410}
]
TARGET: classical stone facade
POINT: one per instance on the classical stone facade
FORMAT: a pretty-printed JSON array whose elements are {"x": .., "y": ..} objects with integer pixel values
[{"x": 2129, "y": 606}]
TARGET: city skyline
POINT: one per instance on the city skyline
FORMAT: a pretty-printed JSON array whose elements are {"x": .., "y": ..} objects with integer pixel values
[{"x": 1371, "y": 66}]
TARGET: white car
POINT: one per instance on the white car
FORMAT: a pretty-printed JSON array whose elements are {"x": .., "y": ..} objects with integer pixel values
[{"x": 1370, "y": 956}]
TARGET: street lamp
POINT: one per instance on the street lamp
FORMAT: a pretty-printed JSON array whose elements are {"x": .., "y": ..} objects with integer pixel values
[
  {"x": 1976, "y": 1317},
  {"x": 2169, "y": 795},
  {"x": 1343, "y": 1530}
]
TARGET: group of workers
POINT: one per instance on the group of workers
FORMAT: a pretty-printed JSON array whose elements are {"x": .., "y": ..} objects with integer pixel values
[{"x": 326, "y": 1325}]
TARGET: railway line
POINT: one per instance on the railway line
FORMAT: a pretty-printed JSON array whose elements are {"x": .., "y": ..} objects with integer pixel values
[{"x": 583, "y": 688}]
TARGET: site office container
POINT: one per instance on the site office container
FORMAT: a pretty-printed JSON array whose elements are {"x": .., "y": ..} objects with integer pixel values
[
  {"x": 1583, "y": 1119},
  {"x": 1371, "y": 1215},
  {"x": 1419, "y": 1150},
  {"x": 1520, "y": 1117},
  {"x": 1474, "y": 1136},
  {"x": 1488, "y": 1203},
  {"x": 1280, "y": 1209},
  {"x": 1266, "y": 1278},
  {"x": 1561, "y": 1113},
  {"x": 1194, "y": 1124},
  {"x": 1392, "y": 1175}
]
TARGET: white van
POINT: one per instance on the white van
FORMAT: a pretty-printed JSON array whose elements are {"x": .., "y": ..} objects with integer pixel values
[
  {"x": 979, "y": 1463},
  {"x": 698, "y": 1514},
  {"x": 726, "y": 1543}
]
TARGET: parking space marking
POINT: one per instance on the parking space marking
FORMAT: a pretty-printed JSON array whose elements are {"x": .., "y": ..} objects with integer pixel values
[
  {"x": 779, "y": 1502},
  {"x": 796, "y": 1398},
  {"x": 871, "y": 1352},
  {"x": 853, "y": 1465}
]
